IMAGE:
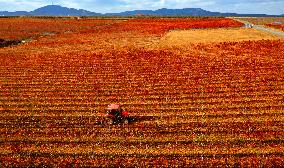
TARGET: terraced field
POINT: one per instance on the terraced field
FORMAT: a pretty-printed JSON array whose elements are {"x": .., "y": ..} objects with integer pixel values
[{"x": 201, "y": 104}]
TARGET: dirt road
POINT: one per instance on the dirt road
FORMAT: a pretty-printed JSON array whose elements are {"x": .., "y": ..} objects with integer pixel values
[
  {"x": 269, "y": 30},
  {"x": 263, "y": 28}
]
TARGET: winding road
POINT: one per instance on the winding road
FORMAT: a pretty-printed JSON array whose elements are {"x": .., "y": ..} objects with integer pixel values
[
  {"x": 269, "y": 30},
  {"x": 263, "y": 28}
]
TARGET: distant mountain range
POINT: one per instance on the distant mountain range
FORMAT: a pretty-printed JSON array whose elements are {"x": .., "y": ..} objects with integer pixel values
[
  {"x": 180, "y": 12},
  {"x": 51, "y": 10},
  {"x": 56, "y": 10}
]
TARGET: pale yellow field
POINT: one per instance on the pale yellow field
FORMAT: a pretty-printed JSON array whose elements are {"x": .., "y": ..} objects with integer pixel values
[{"x": 183, "y": 37}]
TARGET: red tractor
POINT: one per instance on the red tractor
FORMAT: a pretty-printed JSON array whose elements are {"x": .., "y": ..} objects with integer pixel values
[{"x": 115, "y": 114}]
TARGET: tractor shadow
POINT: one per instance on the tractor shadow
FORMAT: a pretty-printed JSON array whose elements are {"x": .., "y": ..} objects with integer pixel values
[
  {"x": 7, "y": 43},
  {"x": 131, "y": 120},
  {"x": 138, "y": 119}
]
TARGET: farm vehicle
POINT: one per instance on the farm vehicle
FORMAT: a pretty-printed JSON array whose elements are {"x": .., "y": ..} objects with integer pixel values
[{"x": 115, "y": 115}]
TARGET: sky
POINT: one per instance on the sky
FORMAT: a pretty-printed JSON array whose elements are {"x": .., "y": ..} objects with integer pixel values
[{"x": 111, "y": 6}]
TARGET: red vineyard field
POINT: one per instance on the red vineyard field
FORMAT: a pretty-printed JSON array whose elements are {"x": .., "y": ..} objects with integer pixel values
[
  {"x": 263, "y": 20},
  {"x": 280, "y": 26},
  {"x": 160, "y": 26},
  {"x": 221, "y": 107},
  {"x": 274, "y": 22},
  {"x": 25, "y": 28}
]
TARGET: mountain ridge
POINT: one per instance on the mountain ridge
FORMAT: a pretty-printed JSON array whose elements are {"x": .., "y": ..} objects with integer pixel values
[{"x": 57, "y": 10}]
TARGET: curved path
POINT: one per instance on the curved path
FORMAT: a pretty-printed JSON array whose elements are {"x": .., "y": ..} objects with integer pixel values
[
  {"x": 269, "y": 30},
  {"x": 263, "y": 28}
]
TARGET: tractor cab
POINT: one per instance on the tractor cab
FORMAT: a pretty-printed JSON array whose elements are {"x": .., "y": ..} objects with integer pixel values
[
  {"x": 115, "y": 114},
  {"x": 114, "y": 109}
]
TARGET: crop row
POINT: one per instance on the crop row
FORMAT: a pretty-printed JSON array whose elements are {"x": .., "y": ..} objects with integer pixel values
[
  {"x": 135, "y": 92},
  {"x": 209, "y": 91},
  {"x": 159, "y": 104},
  {"x": 151, "y": 149},
  {"x": 44, "y": 126},
  {"x": 45, "y": 160},
  {"x": 194, "y": 98}
]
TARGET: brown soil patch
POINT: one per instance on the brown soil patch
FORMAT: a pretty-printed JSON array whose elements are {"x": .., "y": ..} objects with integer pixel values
[{"x": 184, "y": 37}]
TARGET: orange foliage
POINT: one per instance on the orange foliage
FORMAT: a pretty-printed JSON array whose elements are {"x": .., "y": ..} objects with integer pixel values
[
  {"x": 22, "y": 28},
  {"x": 277, "y": 26},
  {"x": 205, "y": 105},
  {"x": 161, "y": 25}
]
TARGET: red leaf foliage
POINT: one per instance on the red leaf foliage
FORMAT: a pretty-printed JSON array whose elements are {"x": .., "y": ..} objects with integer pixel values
[{"x": 206, "y": 105}]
